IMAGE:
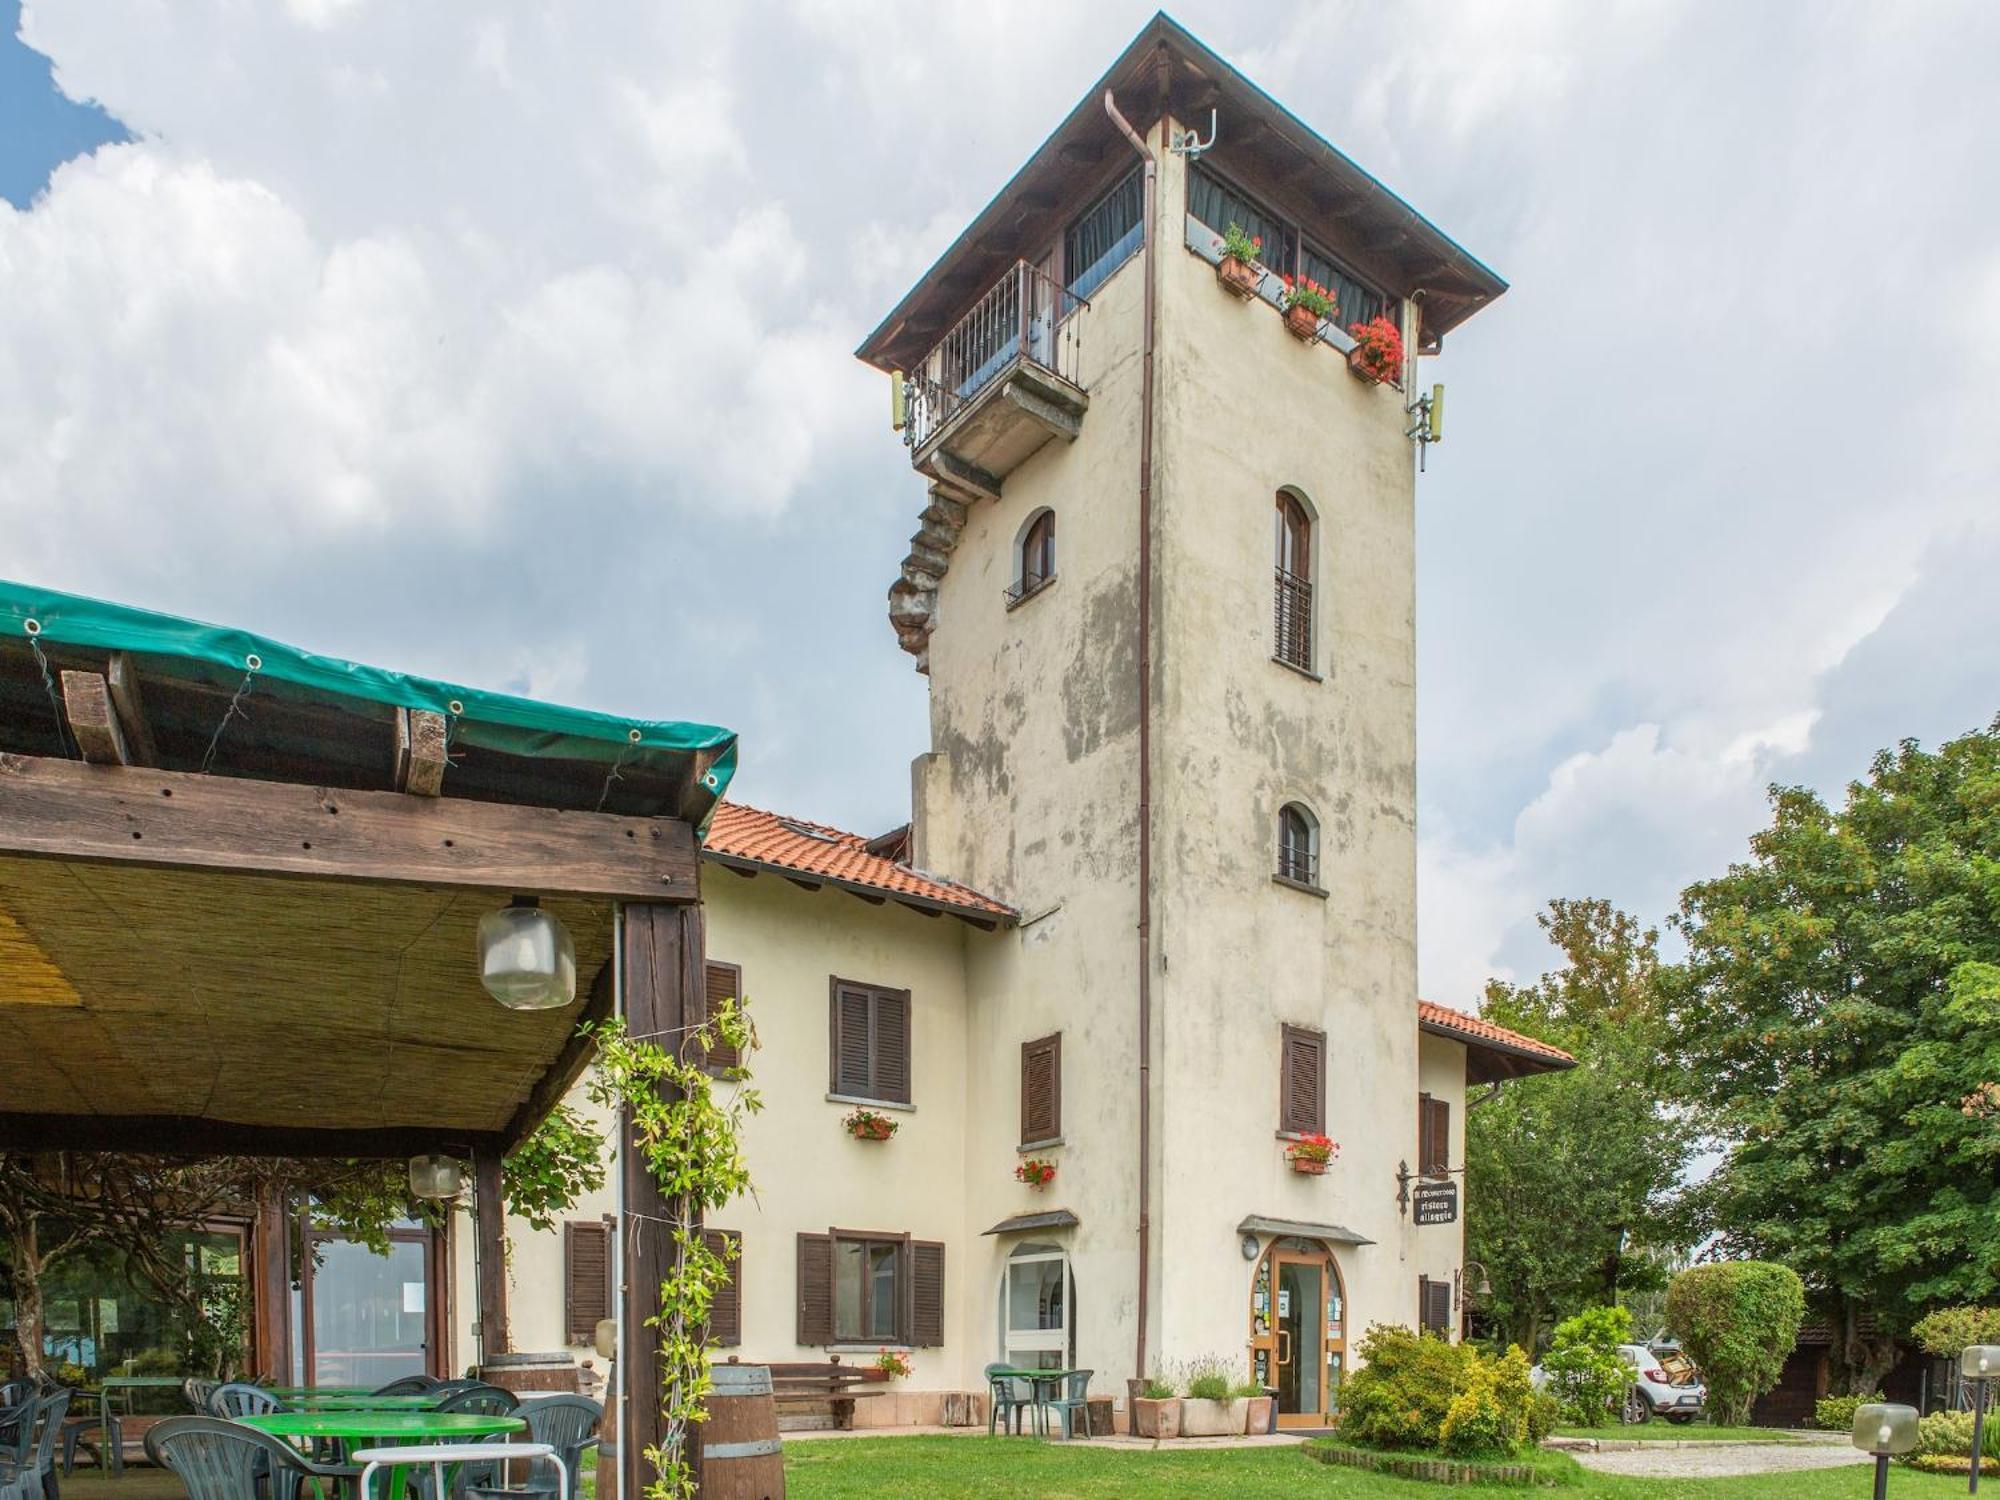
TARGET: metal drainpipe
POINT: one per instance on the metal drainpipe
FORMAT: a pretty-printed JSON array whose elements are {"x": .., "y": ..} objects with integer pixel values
[{"x": 1151, "y": 168}]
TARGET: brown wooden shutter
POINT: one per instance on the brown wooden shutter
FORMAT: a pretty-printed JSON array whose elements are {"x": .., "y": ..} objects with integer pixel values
[
  {"x": 723, "y": 982},
  {"x": 586, "y": 1279},
  {"x": 1302, "y": 1082},
  {"x": 892, "y": 1045},
  {"x": 851, "y": 1073},
  {"x": 1434, "y": 1306},
  {"x": 926, "y": 1294},
  {"x": 1041, "y": 1089},
  {"x": 816, "y": 1289},
  {"x": 1433, "y": 1135},
  {"x": 725, "y": 1313}
]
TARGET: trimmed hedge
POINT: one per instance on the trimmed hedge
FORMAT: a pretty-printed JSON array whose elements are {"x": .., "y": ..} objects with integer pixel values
[
  {"x": 1738, "y": 1320},
  {"x": 1440, "y": 1470}
]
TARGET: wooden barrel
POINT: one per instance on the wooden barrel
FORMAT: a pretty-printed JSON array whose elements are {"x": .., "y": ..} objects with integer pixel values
[
  {"x": 741, "y": 1458},
  {"x": 530, "y": 1372}
]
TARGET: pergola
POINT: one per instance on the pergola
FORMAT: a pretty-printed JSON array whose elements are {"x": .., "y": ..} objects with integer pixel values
[{"x": 239, "y": 888}]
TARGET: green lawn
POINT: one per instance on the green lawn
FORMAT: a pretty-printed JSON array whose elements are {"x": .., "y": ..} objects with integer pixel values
[
  {"x": 921, "y": 1468},
  {"x": 1666, "y": 1432}
]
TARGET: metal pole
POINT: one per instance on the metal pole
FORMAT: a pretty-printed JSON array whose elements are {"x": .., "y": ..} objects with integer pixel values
[
  {"x": 1978, "y": 1432},
  {"x": 1881, "y": 1476}
]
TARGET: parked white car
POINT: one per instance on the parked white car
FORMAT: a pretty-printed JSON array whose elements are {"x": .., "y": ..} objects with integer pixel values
[{"x": 1654, "y": 1391}]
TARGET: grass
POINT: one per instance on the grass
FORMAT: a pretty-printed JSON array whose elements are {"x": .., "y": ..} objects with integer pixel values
[
  {"x": 979, "y": 1468},
  {"x": 1659, "y": 1431}
]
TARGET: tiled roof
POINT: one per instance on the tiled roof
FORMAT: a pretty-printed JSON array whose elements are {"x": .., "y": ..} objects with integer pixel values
[
  {"x": 748, "y": 835},
  {"x": 1478, "y": 1029}
]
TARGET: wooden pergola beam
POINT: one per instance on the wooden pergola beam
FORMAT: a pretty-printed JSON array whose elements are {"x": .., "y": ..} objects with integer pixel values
[
  {"x": 490, "y": 1236},
  {"x": 183, "y": 1135},
  {"x": 420, "y": 752},
  {"x": 122, "y": 678},
  {"x": 93, "y": 721},
  {"x": 58, "y": 809}
]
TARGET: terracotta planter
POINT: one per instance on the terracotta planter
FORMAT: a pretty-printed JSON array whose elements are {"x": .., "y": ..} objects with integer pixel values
[
  {"x": 875, "y": 1373},
  {"x": 1357, "y": 366},
  {"x": 1158, "y": 1419},
  {"x": 1301, "y": 323},
  {"x": 1308, "y": 1166},
  {"x": 1238, "y": 277},
  {"x": 1214, "y": 1418},
  {"x": 872, "y": 1132}
]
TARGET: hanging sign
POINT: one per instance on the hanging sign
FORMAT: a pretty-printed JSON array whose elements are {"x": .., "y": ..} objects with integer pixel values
[{"x": 1434, "y": 1203}]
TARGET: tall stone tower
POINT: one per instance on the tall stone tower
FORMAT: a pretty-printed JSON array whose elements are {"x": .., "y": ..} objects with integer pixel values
[{"x": 1163, "y": 588}]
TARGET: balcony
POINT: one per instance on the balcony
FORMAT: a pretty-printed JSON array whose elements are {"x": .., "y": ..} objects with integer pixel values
[{"x": 1004, "y": 381}]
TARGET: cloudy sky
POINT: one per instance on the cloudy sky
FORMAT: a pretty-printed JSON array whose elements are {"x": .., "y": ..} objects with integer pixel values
[{"x": 511, "y": 344}]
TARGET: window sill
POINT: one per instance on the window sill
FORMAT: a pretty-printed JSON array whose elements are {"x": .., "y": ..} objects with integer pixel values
[
  {"x": 896, "y": 1104},
  {"x": 1016, "y": 597},
  {"x": 1291, "y": 666},
  {"x": 851, "y": 1348},
  {"x": 1296, "y": 1135},
  {"x": 1042, "y": 1145},
  {"x": 1300, "y": 885}
]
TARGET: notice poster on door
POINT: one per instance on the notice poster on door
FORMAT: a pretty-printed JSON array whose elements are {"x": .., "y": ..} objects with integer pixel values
[
  {"x": 413, "y": 1296},
  {"x": 1284, "y": 1302}
]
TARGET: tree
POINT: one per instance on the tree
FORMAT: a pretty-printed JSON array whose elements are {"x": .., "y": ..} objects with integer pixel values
[
  {"x": 1564, "y": 1172},
  {"x": 55, "y": 1205},
  {"x": 1737, "y": 1320},
  {"x": 1837, "y": 1022}
]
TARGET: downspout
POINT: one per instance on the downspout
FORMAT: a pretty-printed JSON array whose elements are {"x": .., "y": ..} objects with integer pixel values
[{"x": 1151, "y": 169}]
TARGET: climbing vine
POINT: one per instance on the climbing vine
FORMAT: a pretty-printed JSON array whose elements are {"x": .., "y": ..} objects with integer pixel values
[{"x": 686, "y": 1126}]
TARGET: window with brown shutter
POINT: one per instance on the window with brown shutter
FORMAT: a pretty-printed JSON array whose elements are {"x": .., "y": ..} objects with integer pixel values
[
  {"x": 1302, "y": 1082},
  {"x": 927, "y": 1294},
  {"x": 725, "y": 1312},
  {"x": 586, "y": 1279},
  {"x": 869, "y": 1042},
  {"x": 1434, "y": 1306},
  {"x": 815, "y": 1287},
  {"x": 722, "y": 982},
  {"x": 1041, "y": 1090},
  {"x": 1433, "y": 1136}
]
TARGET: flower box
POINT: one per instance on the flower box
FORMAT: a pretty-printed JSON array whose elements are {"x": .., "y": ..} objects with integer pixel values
[
  {"x": 1238, "y": 277},
  {"x": 1307, "y": 1166},
  {"x": 1377, "y": 355},
  {"x": 1302, "y": 323},
  {"x": 868, "y": 1125},
  {"x": 1260, "y": 1414},
  {"x": 1036, "y": 1173},
  {"x": 1201, "y": 1418},
  {"x": 1158, "y": 1419},
  {"x": 1311, "y": 1155}
]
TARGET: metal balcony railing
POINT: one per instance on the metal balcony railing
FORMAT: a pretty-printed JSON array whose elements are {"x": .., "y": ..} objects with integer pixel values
[
  {"x": 1292, "y": 607},
  {"x": 1025, "y": 315}
]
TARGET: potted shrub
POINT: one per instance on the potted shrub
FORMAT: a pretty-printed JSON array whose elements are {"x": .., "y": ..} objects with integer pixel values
[
  {"x": 1377, "y": 355},
  {"x": 1241, "y": 268},
  {"x": 890, "y": 1364},
  {"x": 1212, "y": 1407},
  {"x": 866, "y": 1124},
  {"x": 1306, "y": 303},
  {"x": 1310, "y": 1155},
  {"x": 1157, "y": 1411},
  {"x": 1036, "y": 1172}
]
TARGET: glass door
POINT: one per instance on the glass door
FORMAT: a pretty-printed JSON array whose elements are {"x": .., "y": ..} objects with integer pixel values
[
  {"x": 366, "y": 1319},
  {"x": 1035, "y": 1309},
  {"x": 1298, "y": 1344}
]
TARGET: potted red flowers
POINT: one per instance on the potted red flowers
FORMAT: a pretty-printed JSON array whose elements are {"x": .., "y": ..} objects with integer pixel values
[
  {"x": 890, "y": 1364},
  {"x": 1036, "y": 1172},
  {"x": 1377, "y": 355},
  {"x": 1240, "y": 269},
  {"x": 1306, "y": 303},
  {"x": 1311, "y": 1154},
  {"x": 866, "y": 1124}
]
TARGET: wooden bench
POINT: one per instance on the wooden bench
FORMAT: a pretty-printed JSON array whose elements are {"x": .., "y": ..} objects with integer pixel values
[{"x": 815, "y": 1397}]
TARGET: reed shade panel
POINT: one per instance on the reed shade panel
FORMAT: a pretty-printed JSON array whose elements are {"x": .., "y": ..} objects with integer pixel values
[{"x": 261, "y": 1001}]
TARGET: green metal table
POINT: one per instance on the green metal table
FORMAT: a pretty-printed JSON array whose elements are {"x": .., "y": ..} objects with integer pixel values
[
  {"x": 1044, "y": 1386},
  {"x": 385, "y": 1428}
]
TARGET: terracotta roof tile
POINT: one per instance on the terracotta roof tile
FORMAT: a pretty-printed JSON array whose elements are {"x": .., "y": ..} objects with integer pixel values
[
  {"x": 783, "y": 843},
  {"x": 1478, "y": 1028}
]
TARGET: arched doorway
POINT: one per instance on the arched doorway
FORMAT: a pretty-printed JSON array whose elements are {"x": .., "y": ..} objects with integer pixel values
[{"x": 1298, "y": 1330}]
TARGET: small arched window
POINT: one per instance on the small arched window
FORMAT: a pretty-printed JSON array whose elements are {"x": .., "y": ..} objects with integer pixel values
[
  {"x": 1035, "y": 556},
  {"x": 1298, "y": 845},
  {"x": 1292, "y": 598}
]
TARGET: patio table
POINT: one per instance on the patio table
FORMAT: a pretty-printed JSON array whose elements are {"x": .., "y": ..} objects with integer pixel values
[
  {"x": 386, "y": 1428},
  {"x": 1043, "y": 1383},
  {"x": 295, "y": 1392},
  {"x": 319, "y": 1401}
]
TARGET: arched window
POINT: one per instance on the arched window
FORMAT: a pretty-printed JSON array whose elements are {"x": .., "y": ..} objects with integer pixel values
[
  {"x": 1034, "y": 556},
  {"x": 1292, "y": 601},
  {"x": 1298, "y": 845},
  {"x": 1037, "y": 1330}
]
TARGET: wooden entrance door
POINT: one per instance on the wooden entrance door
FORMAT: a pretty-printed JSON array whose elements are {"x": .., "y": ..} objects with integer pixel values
[{"x": 1299, "y": 1331}]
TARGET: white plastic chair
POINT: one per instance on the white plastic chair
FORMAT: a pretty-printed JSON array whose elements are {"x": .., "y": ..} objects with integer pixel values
[{"x": 438, "y": 1455}]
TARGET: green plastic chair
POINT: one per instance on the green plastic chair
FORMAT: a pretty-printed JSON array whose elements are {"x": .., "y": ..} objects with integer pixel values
[
  {"x": 1010, "y": 1396},
  {"x": 1074, "y": 1402}
]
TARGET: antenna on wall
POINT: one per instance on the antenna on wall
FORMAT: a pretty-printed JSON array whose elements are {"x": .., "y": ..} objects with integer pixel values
[
  {"x": 1428, "y": 427},
  {"x": 1189, "y": 143}
]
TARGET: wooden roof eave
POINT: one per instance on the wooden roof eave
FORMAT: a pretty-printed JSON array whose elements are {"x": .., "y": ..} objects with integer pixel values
[{"x": 929, "y": 906}]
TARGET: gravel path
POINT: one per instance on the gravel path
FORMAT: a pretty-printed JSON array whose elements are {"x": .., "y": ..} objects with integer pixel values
[{"x": 1720, "y": 1460}]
